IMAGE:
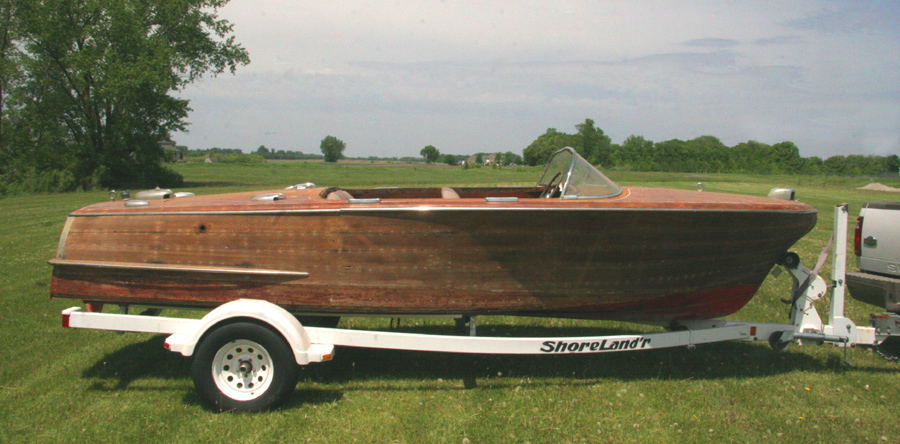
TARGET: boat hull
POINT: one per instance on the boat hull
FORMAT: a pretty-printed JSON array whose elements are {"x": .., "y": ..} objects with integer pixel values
[{"x": 623, "y": 262}]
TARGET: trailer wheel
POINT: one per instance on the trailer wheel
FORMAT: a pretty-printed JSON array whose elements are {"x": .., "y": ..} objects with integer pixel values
[
  {"x": 776, "y": 342},
  {"x": 789, "y": 260},
  {"x": 244, "y": 367}
]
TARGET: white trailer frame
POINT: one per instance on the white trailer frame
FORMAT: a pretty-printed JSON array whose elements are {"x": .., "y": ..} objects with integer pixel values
[{"x": 312, "y": 344}]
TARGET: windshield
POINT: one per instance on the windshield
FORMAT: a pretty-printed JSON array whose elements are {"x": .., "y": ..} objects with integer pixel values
[{"x": 577, "y": 178}]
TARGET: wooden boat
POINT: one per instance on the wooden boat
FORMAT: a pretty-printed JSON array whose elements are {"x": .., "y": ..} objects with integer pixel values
[{"x": 575, "y": 245}]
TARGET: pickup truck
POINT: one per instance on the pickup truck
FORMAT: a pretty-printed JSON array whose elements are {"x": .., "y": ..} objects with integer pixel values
[{"x": 877, "y": 249}]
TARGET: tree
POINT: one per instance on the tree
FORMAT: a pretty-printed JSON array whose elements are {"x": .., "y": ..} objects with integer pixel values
[
  {"x": 636, "y": 153},
  {"x": 99, "y": 77},
  {"x": 430, "y": 153},
  {"x": 509, "y": 158},
  {"x": 449, "y": 159},
  {"x": 813, "y": 165},
  {"x": 332, "y": 148},
  {"x": 10, "y": 70},
  {"x": 546, "y": 144},
  {"x": 754, "y": 157},
  {"x": 835, "y": 165},
  {"x": 263, "y": 151},
  {"x": 787, "y": 157},
  {"x": 708, "y": 155},
  {"x": 589, "y": 138},
  {"x": 596, "y": 146},
  {"x": 892, "y": 163}
]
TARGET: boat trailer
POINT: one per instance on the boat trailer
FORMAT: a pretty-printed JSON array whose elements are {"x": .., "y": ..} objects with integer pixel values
[{"x": 245, "y": 350}]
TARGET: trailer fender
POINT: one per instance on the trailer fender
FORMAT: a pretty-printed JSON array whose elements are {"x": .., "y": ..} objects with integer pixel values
[{"x": 268, "y": 313}]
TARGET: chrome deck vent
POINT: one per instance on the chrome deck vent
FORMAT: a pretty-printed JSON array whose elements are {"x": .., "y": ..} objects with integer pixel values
[
  {"x": 268, "y": 197},
  {"x": 157, "y": 193},
  {"x": 301, "y": 186},
  {"x": 783, "y": 194}
]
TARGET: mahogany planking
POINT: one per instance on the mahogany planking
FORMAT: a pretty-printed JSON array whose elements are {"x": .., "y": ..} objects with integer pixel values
[{"x": 648, "y": 255}]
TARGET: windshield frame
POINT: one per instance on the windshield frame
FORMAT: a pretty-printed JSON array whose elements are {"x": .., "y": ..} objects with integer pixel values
[{"x": 568, "y": 185}]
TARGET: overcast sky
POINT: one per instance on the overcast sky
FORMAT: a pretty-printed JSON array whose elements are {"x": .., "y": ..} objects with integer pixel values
[{"x": 389, "y": 78}]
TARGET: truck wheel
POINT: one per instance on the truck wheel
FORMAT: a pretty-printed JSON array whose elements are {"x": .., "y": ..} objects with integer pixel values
[{"x": 244, "y": 367}]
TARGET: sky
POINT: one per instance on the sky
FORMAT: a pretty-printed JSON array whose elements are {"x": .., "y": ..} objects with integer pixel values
[{"x": 390, "y": 77}]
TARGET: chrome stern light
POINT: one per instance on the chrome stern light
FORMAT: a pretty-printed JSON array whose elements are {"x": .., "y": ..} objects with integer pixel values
[{"x": 783, "y": 194}]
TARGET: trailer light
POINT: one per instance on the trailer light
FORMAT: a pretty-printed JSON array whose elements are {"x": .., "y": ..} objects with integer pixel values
[
  {"x": 326, "y": 357},
  {"x": 166, "y": 345},
  {"x": 65, "y": 321},
  {"x": 857, "y": 237}
]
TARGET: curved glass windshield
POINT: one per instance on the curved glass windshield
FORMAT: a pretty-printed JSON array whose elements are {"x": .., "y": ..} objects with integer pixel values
[{"x": 577, "y": 178}]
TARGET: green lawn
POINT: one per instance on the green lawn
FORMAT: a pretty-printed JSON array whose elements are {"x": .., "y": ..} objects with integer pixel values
[{"x": 69, "y": 385}]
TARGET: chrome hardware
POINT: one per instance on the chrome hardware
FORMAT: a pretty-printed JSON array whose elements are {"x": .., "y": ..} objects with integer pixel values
[
  {"x": 268, "y": 197},
  {"x": 301, "y": 186},
  {"x": 157, "y": 193},
  {"x": 783, "y": 193}
]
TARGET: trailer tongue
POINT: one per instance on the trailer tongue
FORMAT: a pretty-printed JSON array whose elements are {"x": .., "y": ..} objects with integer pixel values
[{"x": 246, "y": 352}]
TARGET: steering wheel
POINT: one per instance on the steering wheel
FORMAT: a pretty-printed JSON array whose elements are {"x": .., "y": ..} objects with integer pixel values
[{"x": 549, "y": 189}]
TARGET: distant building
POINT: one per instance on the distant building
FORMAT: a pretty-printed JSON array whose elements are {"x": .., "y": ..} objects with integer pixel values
[
  {"x": 173, "y": 154},
  {"x": 486, "y": 159}
]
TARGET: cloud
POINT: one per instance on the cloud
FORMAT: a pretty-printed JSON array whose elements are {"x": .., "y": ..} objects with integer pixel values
[
  {"x": 711, "y": 43},
  {"x": 389, "y": 78},
  {"x": 779, "y": 40},
  {"x": 691, "y": 61},
  {"x": 851, "y": 17}
]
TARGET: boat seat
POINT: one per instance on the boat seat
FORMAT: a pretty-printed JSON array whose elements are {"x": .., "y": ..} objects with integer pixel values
[
  {"x": 339, "y": 195},
  {"x": 449, "y": 193}
]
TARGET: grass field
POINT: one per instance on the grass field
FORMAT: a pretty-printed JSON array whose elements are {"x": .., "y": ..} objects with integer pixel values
[{"x": 68, "y": 385}]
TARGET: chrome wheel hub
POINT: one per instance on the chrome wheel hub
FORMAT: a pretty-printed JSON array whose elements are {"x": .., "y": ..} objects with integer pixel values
[{"x": 242, "y": 370}]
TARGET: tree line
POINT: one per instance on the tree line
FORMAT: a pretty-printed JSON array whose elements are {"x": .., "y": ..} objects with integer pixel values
[
  {"x": 271, "y": 154},
  {"x": 88, "y": 90},
  {"x": 704, "y": 154}
]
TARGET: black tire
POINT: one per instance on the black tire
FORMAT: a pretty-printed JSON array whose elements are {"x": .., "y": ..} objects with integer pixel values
[
  {"x": 889, "y": 349},
  {"x": 789, "y": 260},
  {"x": 776, "y": 342},
  {"x": 244, "y": 367}
]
